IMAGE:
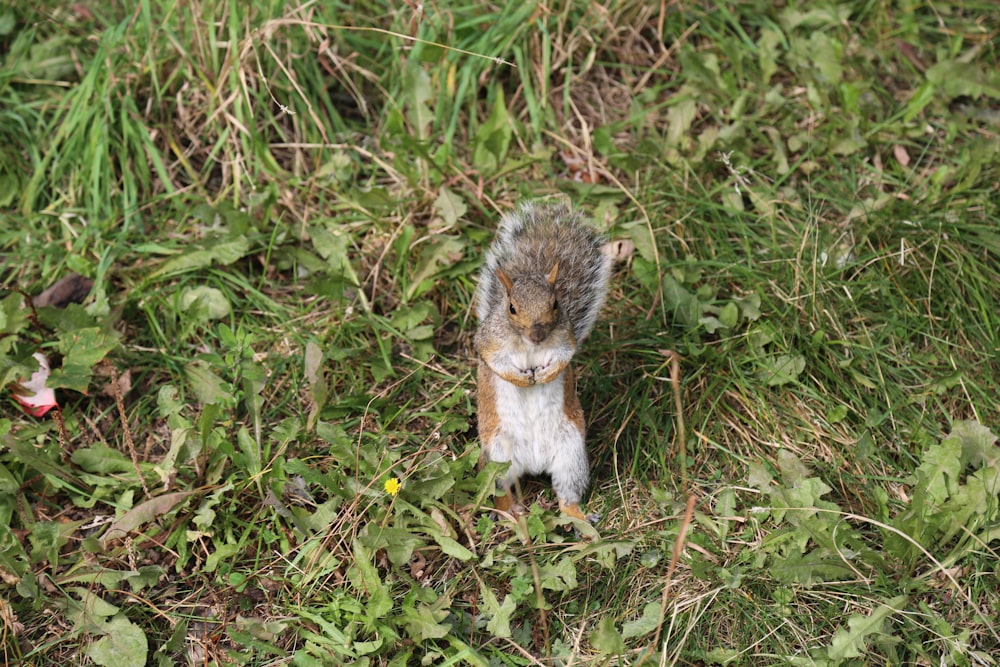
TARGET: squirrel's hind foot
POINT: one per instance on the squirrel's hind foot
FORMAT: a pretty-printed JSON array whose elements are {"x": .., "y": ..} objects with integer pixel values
[
  {"x": 573, "y": 510},
  {"x": 586, "y": 530}
]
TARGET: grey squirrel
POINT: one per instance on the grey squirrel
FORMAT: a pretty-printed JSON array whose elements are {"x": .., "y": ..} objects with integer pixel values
[{"x": 539, "y": 294}]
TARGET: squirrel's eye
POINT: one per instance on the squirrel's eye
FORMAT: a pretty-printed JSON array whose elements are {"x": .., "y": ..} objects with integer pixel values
[
  {"x": 513, "y": 310},
  {"x": 555, "y": 305}
]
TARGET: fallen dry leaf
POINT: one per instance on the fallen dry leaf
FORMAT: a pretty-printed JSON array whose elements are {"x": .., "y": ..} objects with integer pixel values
[
  {"x": 902, "y": 157},
  {"x": 141, "y": 514},
  {"x": 74, "y": 288}
]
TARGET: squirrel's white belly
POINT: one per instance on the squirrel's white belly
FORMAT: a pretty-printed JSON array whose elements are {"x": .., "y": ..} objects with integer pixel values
[{"x": 535, "y": 434}]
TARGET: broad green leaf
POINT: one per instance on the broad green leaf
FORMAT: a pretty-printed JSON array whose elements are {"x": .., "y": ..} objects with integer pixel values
[
  {"x": 646, "y": 273},
  {"x": 399, "y": 543},
  {"x": 603, "y": 551},
  {"x": 954, "y": 78},
  {"x": 792, "y": 469},
  {"x": 781, "y": 369},
  {"x": 493, "y": 138},
  {"x": 169, "y": 405},
  {"x": 267, "y": 631},
  {"x": 449, "y": 206},
  {"x": 680, "y": 117},
  {"x": 825, "y": 54},
  {"x": 205, "y": 303},
  {"x": 8, "y": 484},
  {"x": 725, "y": 507},
  {"x": 48, "y": 538},
  {"x": 559, "y": 576},
  {"x": 82, "y": 349},
  {"x": 645, "y": 624},
  {"x": 204, "y": 516},
  {"x": 729, "y": 316},
  {"x": 703, "y": 68},
  {"x": 826, "y": 16},
  {"x": 453, "y": 548},
  {"x": 438, "y": 480},
  {"x": 606, "y": 638},
  {"x": 124, "y": 644},
  {"x": 332, "y": 635},
  {"x": 972, "y": 505},
  {"x": 101, "y": 459},
  {"x": 724, "y": 656},
  {"x": 334, "y": 247},
  {"x": 923, "y": 96},
  {"x": 50, "y": 59},
  {"x": 167, "y": 467},
  {"x": 407, "y": 318},
  {"x": 379, "y": 601},
  {"x": 837, "y": 414},
  {"x": 90, "y": 611},
  {"x": 811, "y": 567},
  {"x": 222, "y": 553},
  {"x": 438, "y": 252},
  {"x": 759, "y": 478},
  {"x": 849, "y": 143},
  {"x": 145, "y": 577},
  {"x": 325, "y": 514},
  {"x": 12, "y": 370},
  {"x": 13, "y": 316},
  {"x": 710, "y": 323},
  {"x": 8, "y": 21},
  {"x": 681, "y": 302},
  {"x": 223, "y": 252},
  {"x": 424, "y": 622},
  {"x": 250, "y": 449},
  {"x": 639, "y": 233},
  {"x": 939, "y": 468},
  {"x": 499, "y": 614},
  {"x": 71, "y": 376},
  {"x": 768, "y": 50},
  {"x": 852, "y": 641},
  {"x": 979, "y": 444},
  {"x": 417, "y": 93},
  {"x": 803, "y": 495},
  {"x": 207, "y": 386},
  {"x": 750, "y": 306}
]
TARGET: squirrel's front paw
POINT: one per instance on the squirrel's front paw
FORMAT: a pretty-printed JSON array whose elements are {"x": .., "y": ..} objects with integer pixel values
[
  {"x": 519, "y": 377},
  {"x": 549, "y": 371}
]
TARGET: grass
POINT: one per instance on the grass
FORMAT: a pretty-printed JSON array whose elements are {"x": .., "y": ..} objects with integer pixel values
[{"x": 283, "y": 207}]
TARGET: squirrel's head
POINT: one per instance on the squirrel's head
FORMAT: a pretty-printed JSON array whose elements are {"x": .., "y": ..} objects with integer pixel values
[{"x": 532, "y": 306}]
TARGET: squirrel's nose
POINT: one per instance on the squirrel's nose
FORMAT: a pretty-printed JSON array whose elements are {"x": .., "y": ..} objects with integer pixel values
[{"x": 537, "y": 333}]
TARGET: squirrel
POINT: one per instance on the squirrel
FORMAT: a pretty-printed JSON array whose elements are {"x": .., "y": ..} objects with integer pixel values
[{"x": 540, "y": 291}]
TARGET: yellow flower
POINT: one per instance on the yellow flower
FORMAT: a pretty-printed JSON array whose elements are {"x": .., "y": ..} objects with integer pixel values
[{"x": 392, "y": 486}]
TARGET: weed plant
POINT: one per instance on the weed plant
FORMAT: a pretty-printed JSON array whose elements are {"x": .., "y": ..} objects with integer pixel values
[{"x": 266, "y": 448}]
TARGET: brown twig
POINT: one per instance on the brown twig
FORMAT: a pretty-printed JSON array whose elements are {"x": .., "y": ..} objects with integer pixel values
[
  {"x": 675, "y": 383},
  {"x": 116, "y": 390},
  {"x": 674, "y": 557}
]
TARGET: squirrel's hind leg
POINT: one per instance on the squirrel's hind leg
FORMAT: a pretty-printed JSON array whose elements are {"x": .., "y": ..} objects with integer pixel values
[
  {"x": 569, "y": 467},
  {"x": 570, "y": 477},
  {"x": 506, "y": 503}
]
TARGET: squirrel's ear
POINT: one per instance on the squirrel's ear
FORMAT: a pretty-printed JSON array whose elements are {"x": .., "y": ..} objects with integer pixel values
[
  {"x": 551, "y": 278},
  {"x": 507, "y": 283}
]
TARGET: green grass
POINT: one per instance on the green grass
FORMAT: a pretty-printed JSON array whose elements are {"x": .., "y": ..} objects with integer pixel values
[{"x": 283, "y": 207}]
